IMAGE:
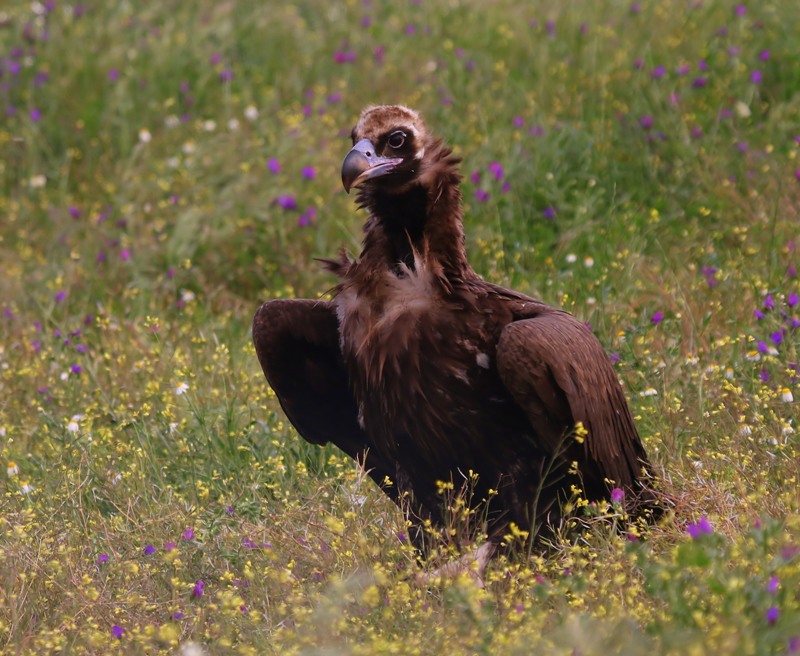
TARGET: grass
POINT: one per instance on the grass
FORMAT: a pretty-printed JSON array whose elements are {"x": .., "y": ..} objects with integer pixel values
[{"x": 167, "y": 166}]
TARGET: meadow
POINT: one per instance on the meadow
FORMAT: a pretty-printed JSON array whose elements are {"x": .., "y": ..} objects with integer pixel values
[{"x": 165, "y": 167}]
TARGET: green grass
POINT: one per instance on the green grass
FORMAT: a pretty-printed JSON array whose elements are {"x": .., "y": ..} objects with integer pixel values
[{"x": 141, "y": 225}]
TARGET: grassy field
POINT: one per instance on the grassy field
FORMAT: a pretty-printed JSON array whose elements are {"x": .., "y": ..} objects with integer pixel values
[{"x": 167, "y": 166}]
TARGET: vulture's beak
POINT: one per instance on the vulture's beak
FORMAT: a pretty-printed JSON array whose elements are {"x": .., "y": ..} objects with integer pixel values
[{"x": 363, "y": 164}]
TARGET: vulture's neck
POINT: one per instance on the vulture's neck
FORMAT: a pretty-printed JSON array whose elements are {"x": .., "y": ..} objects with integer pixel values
[{"x": 426, "y": 220}]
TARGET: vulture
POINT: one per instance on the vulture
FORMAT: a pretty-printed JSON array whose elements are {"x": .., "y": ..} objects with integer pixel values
[{"x": 427, "y": 374}]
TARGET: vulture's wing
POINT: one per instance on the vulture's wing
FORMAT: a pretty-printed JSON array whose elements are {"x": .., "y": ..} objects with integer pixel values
[
  {"x": 559, "y": 374},
  {"x": 297, "y": 342}
]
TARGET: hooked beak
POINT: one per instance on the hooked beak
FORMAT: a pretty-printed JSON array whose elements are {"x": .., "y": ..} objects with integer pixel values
[{"x": 363, "y": 164}]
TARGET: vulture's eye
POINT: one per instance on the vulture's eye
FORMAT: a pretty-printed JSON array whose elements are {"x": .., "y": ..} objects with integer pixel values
[{"x": 396, "y": 139}]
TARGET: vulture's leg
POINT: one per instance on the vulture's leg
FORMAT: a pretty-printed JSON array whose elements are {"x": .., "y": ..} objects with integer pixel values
[{"x": 297, "y": 342}]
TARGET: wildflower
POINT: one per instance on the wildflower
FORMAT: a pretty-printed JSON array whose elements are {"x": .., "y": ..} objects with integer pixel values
[
  {"x": 786, "y": 395},
  {"x": 617, "y": 495},
  {"x": 72, "y": 425},
  {"x": 169, "y": 546},
  {"x": 149, "y": 550},
  {"x": 496, "y": 168},
  {"x": 650, "y": 391},
  {"x": 646, "y": 122},
  {"x": 777, "y": 337},
  {"x": 188, "y": 534},
  {"x": 113, "y": 75},
  {"x": 658, "y": 72},
  {"x": 740, "y": 10},
  {"x": 701, "y": 527},
  {"x": 226, "y": 75},
  {"x": 145, "y": 136},
  {"x": 60, "y": 296},
  {"x": 481, "y": 195},
  {"x": 549, "y": 213},
  {"x": 197, "y": 591},
  {"x": 344, "y": 56},
  {"x": 773, "y": 585},
  {"x": 755, "y": 77},
  {"x": 758, "y": 314},
  {"x": 772, "y": 615},
  {"x": 792, "y": 300},
  {"x": 769, "y": 302},
  {"x": 12, "y": 469},
  {"x": 699, "y": 82},
  {"x": 571, "y": 258},
  {"x": 251, "y": 113},
  {"x": 307, "y": 217},
  {"x": 287, "y": 202},
  {"x": 309, "y": 172},
  {"x": 36, "y": 115},
  {"x": 475, "y": 176},
  {"x": 764, "y": 55},
  {"x": 657, "y": 318},
  {"x": 74, "y": 212},
  {"x": 26, "y": 488},
  {"x": 518, "y": 121},
  {"x": 181, "y": 389},
  {"x": 117, "y": 631}
]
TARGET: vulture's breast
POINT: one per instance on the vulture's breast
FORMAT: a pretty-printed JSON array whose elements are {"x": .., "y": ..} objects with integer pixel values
[{"x": 420, "y": 360}]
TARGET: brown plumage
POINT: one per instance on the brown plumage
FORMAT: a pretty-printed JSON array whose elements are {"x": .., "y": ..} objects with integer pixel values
[{"x": 423, "y": 371}]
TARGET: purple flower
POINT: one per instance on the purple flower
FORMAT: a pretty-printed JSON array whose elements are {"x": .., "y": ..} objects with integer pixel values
[
  {"x": 248, "y": 543},
  {"x": 646, "y": 122},
  {"x": 197, "y": 591},
  {"x": 740, "y": 10},
  {"x": 74, "y": 212},
  {"x": 617, "y": 495},
  {"x": 657, "y": 318},
  {"x": 61, "y": 296},
  {"x": 188, "y": 534},
  {"x": 777, "y": 338},
  {"x": 758, "y": 314},
  {"x": 549, "y": 213},
  {"x": 226, "y": 75},
  {"x": 683, "y": 69},
  {"x": 113, "y": 75},
  {"x": 169, "y": 546},
  {"x": 215, "y": 58},
  {"x": 344, "y": 56},
  {"x": 699, "y": 82},
  {"x": 309, "y": 172},
  {"x": 307, "y": 217},
  {"x": 287, "y": 202},
  {"x": 764, "y": 55},
  {"x": 496, "y": 168},
  {"x": 772, "y": 615},
  {"x": 149, "y": 550},
  {"x": 792, "y": 300},
  {"x": 773, "y": 585},
  {"x": 475, "y": 176},
  {"x": 35, "y": 115},
  {"x": 102, "y": 559},
  {"x": 274, "y": 166},
  {"x": 658, "y": 72},
  {"x": 769, "y": 302},
  {"x": 125, "y": 255},
  {"x": 518, "y": 121},
  {"x": 702, "y": 526},
  {"x": 755, "y": 77},
  {"x": 481, "y": 195},
  {"x": 76, "y": 369},
  {"x": 117, "y": 631}
]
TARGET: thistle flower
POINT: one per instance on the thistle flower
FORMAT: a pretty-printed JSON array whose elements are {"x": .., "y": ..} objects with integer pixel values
[{"x": 701, "y": 527}]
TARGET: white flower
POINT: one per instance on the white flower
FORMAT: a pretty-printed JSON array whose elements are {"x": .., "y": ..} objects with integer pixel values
[
  {"x": 37, "y": 181},
  {"x": 588, "y": 262},
  {"x": 650, "y": 391},
  {"x": 209, "y": 125},
  {"x": 571, "y": 257},
  {"x": 2, "y": 431},
  {"x": 26, "y": 488},
  {"x": 786, "y": 395},
  {"x": 251, "y": 113},
  {"x": 12, "y": 469},
  {"x": 172, "y": 121},
  {"x": 187, "y": 295},
  {"x": 181, "y": 389},
  {"x": 745, "y": 430},
  {"x": 233, "y": 124},
  {"x": 145, "y": 136},
  {"x": 73, "y": 426}
]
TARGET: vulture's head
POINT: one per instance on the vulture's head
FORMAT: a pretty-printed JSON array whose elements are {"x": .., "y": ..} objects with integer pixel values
[{"x": 389, "y": 147}]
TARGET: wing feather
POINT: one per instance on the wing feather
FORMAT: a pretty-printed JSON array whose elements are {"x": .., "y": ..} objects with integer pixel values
[{"x": 559, "y": 374}]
